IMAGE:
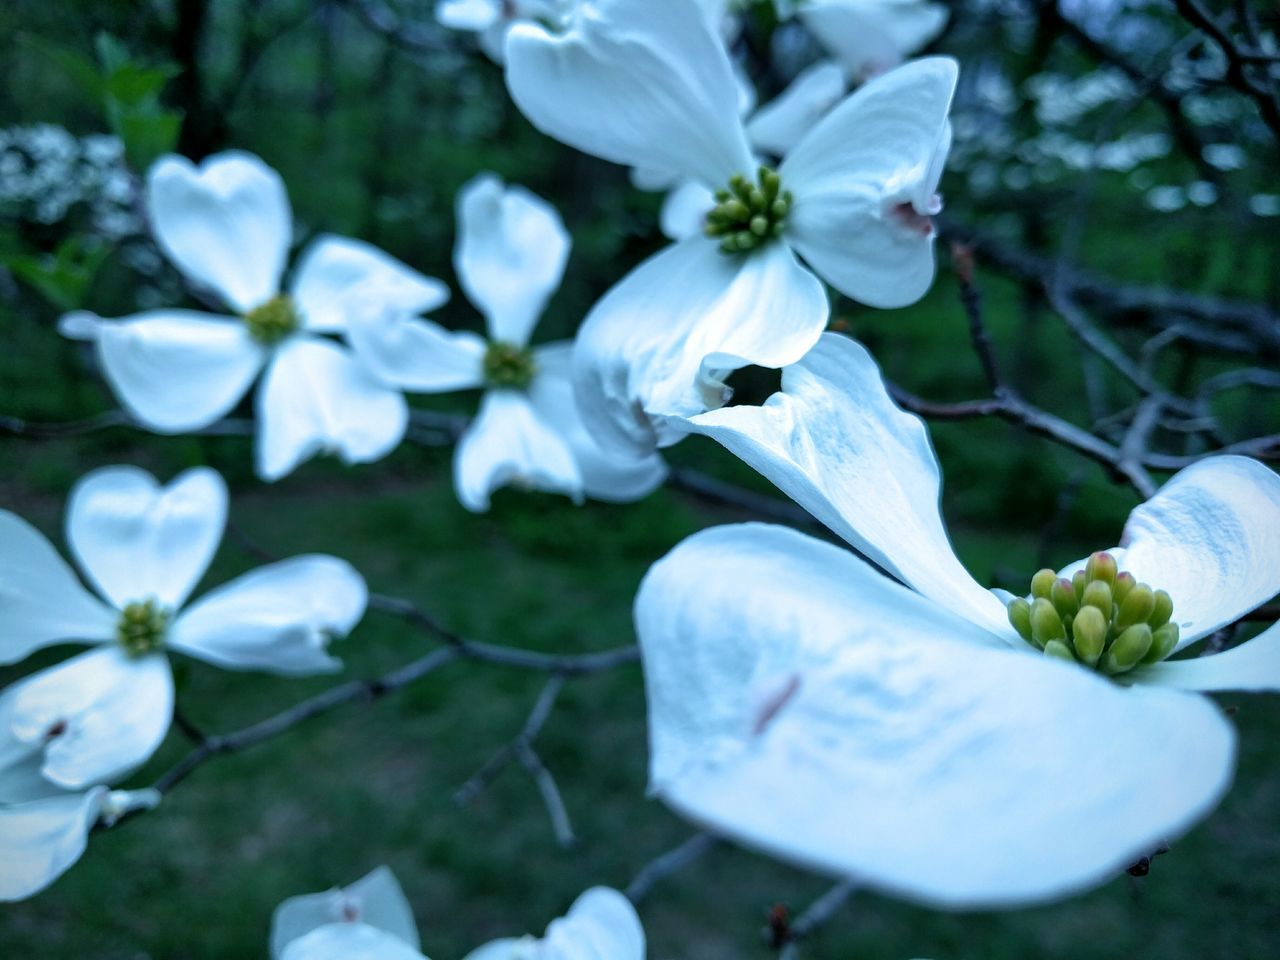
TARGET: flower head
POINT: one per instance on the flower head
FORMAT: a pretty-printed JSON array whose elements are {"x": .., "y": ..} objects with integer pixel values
[
  {"x": 648, "y": 83},
  {"x": 369, "y": 918},
  {"x": 908, "y": 736},
  {"x": 510, "y": 256},
  {"x": 96, "y": 717},
  {"x": 226, "y": 226}
]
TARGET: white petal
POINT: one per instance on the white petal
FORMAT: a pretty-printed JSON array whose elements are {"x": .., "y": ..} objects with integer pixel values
[
  {"x": 510, "y": 255},
  {"x": 782, "y": 122},
  {"x": 279, "y": 618},
  {"x": 416, "y": 355},
  {"x": 137, "y": 541},
  {"x": 659, "y": 343},
  {"x": 468, "y": 14},
  {"x": 333, "y": 270},
  {"x": 811, "y": 708},
  {"x": 835, "y": 442},
  {"x": 375, "y": 900},
  {"x": 1211, "y": 538},
  {"x": 178, "y": 370},
  {"x": 225, "y": 224},
  {"x": 606, "y": 474},
  {"x": 601, "y": 925},
  {"x": 41, "y": 839},
  {"x": 41, "y": 601},
  {"x": 317, "y": 398},
  {"x": 644, "y": 83},
  {"x": 99, "y": 715},
  {"x": 684, "y": 210},
  {"x": 1252, "y": 666},
  {"x": 509, "y": 443},
  {"x": 413, "y": 354},
  {"x": 349, "y": 941},
  {"x": 870, "y": 37},
  {"x": 864, "y": 181}
]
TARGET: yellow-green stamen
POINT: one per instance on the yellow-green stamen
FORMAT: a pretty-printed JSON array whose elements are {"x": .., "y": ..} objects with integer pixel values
[
  {"x": 273, "y": 321},
  {"x": 506, "y": 365},
  {"x": 747, "y": 215},
  {"x": 142, "y": 628},
  {"x": 1102, "y": 617}
]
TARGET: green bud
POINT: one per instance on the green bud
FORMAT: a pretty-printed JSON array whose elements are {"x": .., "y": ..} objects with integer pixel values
[
  {"x": 1042, "y": 583},
  {"x": 1162, "y": 611},
  {"x": 1090, "y": 634},
  {"x": 1136, "y": 607},
  {"x": 1098, "y": 594},
  {"x": 748, "y": 214},
  {"x": 1079, "y": 580},
  {"x": 1125, "y": 581},
  {"x": 757, "y": 200},
  {"x": 759, "y": 226},
  {"x": 271, "y": 322},
  {"x": 777, "y": 229},
  {"x": 1128, "y": 649},
  {"x": 736, "y": 210},
  {"x": 728, "y": 245},
  {"x": 779, "y": 209},
  {"x": 1101, "y": 566},
  {"x": 738, "y": 183},
  {"x": 1046, "y": 625},
  {"x": 1056, "y": 648},
  {"x": 722, "y": 196},
  {"x": 1020, "y": 617},
  {"x": 1163, "y": 640},
  {"x": 507, "y": 365},
  {"x": 747, "y": 240},
  {"x": 1064, "y": 598}
]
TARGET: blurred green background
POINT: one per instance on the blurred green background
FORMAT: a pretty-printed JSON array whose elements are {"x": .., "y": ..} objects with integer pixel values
[{"x": 373, "y": 136}]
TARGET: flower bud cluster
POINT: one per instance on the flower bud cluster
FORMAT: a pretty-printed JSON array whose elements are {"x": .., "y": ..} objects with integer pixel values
[
  {"x": 142, "y": 627},
  {"x": 507, "y": 365},
  {"x": 746, "y": 215},
  {"x": 273, "y": 321},
  {"x": 1101, "y": 617}
]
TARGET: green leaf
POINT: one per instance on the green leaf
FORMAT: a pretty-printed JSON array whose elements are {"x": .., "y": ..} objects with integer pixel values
[
  {"x": 62, "y": 277},
  {"x": 147, "y": 134},
  {"x": 79, "y": 68}
]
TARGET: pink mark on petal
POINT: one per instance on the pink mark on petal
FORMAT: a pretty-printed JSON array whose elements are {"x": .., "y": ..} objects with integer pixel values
[
  {"x": 350, "y": 911},
  {"x": 916, "y": 222},
  {"x": 56, "y": 729},
  {"x": 773, "y": 706}
]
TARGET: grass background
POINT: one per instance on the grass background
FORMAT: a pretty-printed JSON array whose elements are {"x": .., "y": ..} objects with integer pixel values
[{"x": 374, "y": 142}]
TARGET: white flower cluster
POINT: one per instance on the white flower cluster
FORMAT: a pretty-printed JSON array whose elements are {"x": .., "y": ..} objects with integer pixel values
[
  {"x": 917, "y": 732},
  {"x": 46, "y": 171}
]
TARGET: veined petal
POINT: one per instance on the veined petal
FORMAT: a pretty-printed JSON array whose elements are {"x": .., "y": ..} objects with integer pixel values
[
  {"x": 659, "y": 344},
  {"x": 98, "y": 716},
  {"x": 684, "y": 210},
  {"x": 782, "y": 122},
  {"x": 333, "y": 270},
  {"x": 316, "y": 398},
  {"x": 809, "y": 707},
  {"x": 510, "y": 255},
  {"x": 349, "y": 941},
  {"x": 1211, "y": 538},
  {"x": 279, "y": 618},
  {"x": 41, "y": 601},
  {"x": 41, "y": 839},
  {"x": 1252, "y": 666},
  {"x": 835, "y": 442},
  {"x": 606, "y": 475},
  {"x": 375, "y": 900},
  {"x": 864, "y": 181},
  {"x": 601, "y": 925},
  {"x": 136, "y": 540},
  {"x": 643, "y": 83},
  {"x": 225, "y": 224},
  {"x": 178, "y": 370},
  {"x": 871, "y": 37},
  {"x": 416, "y": 355},
  {"x": 508, "y": 442}
]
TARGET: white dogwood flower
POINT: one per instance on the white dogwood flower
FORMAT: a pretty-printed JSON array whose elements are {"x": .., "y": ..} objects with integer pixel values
[
  {"x": 601, "y": 923},
  {"x": 368, "y": 920},
  {"x": 510, "y": 256},
  {"x": 647, "y": 83},
  {"x": 226, "y": 225},
  {"x": 907, "y": 736},
  {"x": 868, "y": 37},
  {"x": 94, "y": 718}
]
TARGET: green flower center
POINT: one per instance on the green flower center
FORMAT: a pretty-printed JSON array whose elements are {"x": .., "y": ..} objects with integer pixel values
[
  {"x": 273, "y": 321},
  {"x": 746, "y": 215},
  {"x": 142, "y": 628},
  {"x": 506, "y": 365},
  {"x": 1102, "y": 617}
]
